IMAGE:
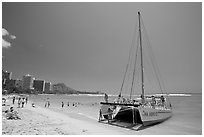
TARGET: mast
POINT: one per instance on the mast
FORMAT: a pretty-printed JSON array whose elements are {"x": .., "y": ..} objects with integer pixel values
[{"x": 142, "y": 69}]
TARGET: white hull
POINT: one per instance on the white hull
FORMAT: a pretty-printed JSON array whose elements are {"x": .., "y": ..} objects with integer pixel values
[
  {"x": 130, "y": 116},
  {"x": 152, "y": 116}
]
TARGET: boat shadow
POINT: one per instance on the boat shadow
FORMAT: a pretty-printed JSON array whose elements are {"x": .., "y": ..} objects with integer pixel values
[{"x": 136, "y": 127}]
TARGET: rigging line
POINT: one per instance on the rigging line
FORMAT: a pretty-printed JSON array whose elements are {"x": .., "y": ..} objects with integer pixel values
[
  {"x": 154, "y": 63},
  {"x": 126, "y": 83},
  {"x": 127, "y": 66},
  {"x": 149, "y": 69},
  {"x": 128, "y": 76},
  {"x": 148, "y": 66},
  {"x": 153, "y": 57},
  {"x": 151, "y": 76},
  {"x": 133, "y": 79}
]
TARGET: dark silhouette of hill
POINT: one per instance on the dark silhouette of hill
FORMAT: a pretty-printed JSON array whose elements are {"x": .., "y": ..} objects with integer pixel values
[{"x": 61, "y": 88}]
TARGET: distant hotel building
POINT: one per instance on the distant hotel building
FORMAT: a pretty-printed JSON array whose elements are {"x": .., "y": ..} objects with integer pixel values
[
  {"x": 6, "y": 80},
  {"x": 10, "y": 84},
  {"x": 27, "y": 82},
  {"x": 19, "y": 84},
  {"x": 5, "y": 76},
  {"x": 47, "y": 87},
  {"x": 39, "y": 85}
]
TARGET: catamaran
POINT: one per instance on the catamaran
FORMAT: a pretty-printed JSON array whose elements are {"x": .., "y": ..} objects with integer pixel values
[{"x": 136, "y": 113}]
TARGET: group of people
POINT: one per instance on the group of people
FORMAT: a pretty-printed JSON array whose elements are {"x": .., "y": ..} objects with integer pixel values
[
  {"x": 47, "y": 104},
  {"x": 122, "y": 100},
  {"x": 160, "y": 102},
  {"x": 21, "y": 101},
  {"x": 11, "y": 114},
  {"x": 74, "y": 104}
]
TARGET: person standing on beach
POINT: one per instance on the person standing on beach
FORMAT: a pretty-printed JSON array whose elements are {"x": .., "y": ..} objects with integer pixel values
[
  {"x": 26, "y": 99},
  {"x": 68, "y": 104},
  {"x": 48, "y": 104},
  {"x": 110, "y": 113},
  {"x": 23, "y": 102},
  {"x": 19, "y": 102},
  {"x": 62, "y": 104},
  {"x": 100, "y": 115},
  {"x": 106, "y": 98},
  {"x": 14, "y": 99},
  {"x": 45, "y": 104}
]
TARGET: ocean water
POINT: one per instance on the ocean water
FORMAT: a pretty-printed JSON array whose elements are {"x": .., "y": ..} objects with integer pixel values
[{"x": 186, "y": 119}]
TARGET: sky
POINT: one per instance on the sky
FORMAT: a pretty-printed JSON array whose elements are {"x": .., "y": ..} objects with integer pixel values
[{"x": 86, "y": 45}]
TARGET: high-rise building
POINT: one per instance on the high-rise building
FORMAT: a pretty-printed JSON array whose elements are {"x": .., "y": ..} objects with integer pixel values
[
  {"x": 47, "y": 87},
  {"x": 6, "y": 76},
  {"x": 19, "y": 84},
  {"x": 39, "y": 85},
  {"x": 27, "y": 81},
  {"x": 10, "y": 84}
]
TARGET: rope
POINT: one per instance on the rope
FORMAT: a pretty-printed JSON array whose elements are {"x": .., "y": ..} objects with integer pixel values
[
  {"x": 133, "y": 79},
  {"x": 129, "y": 57},
  {"x": 154, "y": 63}
]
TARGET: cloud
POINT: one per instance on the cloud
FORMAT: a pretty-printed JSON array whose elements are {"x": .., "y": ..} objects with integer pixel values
[
  {"x": 5, "y": 44},
  {"x": 12, "y": 37},
  {"x": 5, "y": 33}
]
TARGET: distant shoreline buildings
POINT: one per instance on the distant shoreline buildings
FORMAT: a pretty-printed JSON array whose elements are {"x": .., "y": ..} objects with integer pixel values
[
  {"x": 30, "y": 85},
  {"x": 27, "y": 83}
]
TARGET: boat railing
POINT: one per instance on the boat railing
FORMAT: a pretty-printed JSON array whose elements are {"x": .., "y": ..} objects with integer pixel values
[{"x": 120, "y": 104}]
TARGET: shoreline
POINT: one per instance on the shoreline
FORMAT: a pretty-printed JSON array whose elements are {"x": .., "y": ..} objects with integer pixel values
[
  {"x": 80, "y": 121},
  {"x": 43, "y": 121}
]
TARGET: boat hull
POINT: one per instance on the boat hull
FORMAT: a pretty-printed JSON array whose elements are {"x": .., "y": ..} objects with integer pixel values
[
  {"x": 152, "y": 116},
  {"x": 140, "y": 115}
]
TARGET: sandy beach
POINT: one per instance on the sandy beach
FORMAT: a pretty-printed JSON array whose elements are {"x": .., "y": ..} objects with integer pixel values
[
  {"x": 57, "y": 121},
  {"x": 42, "y": 121}
]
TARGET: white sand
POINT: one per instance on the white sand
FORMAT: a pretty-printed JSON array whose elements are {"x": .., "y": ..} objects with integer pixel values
[
  {"x": 42, "y": 121},
  {"x": 46, "y": 121}
]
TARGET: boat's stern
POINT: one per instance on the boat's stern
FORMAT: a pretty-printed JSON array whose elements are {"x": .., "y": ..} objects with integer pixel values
[
  {"x": 150, "y": 116},
  {"x": 120, "y": 115}
]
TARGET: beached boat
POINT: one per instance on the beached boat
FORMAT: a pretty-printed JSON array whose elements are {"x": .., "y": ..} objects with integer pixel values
[{"x": 136, "y": 113}]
